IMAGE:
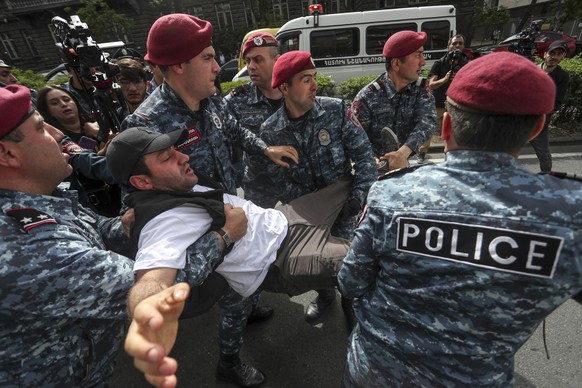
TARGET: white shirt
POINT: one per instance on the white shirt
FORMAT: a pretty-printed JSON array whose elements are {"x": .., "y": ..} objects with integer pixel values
[{"x": 164, "y": 239}]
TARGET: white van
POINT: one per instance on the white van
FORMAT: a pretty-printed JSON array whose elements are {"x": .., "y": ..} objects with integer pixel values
[{"x": 346, "y": 45}]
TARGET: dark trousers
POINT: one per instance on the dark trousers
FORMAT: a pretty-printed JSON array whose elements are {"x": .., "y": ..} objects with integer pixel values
[{"x": 541, "y": 145}]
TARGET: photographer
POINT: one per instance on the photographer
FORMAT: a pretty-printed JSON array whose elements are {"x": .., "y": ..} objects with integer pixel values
[
  {"x": 91, "y": 74},
  {"x": 442, "y": 73}
]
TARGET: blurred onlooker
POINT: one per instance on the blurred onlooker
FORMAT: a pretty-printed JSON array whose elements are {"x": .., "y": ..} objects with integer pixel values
[
  {"x": 132, "y": 79},
  {"x": 157, "y": 77},
  {"x": 6, "y": 76},
  {"x": 60, "y": 108},
  {"x": 555, "y": 53}
]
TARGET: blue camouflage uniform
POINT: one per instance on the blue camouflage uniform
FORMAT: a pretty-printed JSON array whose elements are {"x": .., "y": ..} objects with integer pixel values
[
  {"x": 63, "y": 295},
  {"x": 248, "y": 107},
  {"x": 410, "y": 113},
  {"x": 327, "y": 142},
  {"x": 208, "y": 137},
  {"x": 453, "y": 268}
]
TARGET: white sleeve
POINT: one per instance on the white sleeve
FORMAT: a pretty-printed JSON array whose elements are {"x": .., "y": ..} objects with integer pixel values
[{"x": 164, "y": 239}]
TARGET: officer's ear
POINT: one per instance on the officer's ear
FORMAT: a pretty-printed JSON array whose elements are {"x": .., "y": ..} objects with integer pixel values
[
  {"x": 8, "y": 157},
  {"x": 141, "y": 182},
  {"x": 539, "y": 127},
  {"x": 446, "y": 127}
]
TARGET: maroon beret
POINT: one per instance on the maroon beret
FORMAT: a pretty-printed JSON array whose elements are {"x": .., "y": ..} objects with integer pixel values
[
  {"x": 503, "y": 83},
  {"x": 260, "y": 39},
  {"x": 177, "y": 38},
  {"x": 15, "y": 106},
  {"x": 403, "y": 43},
  {"x": 289, "y": 64}
]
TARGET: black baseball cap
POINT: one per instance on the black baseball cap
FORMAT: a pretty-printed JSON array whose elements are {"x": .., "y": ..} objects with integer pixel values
[
  {"x": 558, "y": 44},
  {"x": 128, "y": 146}
]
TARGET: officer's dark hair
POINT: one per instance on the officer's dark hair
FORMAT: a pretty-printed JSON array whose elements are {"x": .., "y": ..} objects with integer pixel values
[
  {"x": 16, "y": 136},
  {"x": 388, "y": 63},
  {"x": 490, "y": 132},
  {"x": 166, "y": 69}
]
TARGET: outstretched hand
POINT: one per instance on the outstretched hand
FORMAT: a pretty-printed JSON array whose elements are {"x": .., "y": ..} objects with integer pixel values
[
  {"x": 153, "y": 332},
  {"x": 277, "y": 153}
]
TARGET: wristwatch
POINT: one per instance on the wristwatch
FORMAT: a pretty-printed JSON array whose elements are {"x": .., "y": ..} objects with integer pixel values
[{"x": 228, "y": 243}]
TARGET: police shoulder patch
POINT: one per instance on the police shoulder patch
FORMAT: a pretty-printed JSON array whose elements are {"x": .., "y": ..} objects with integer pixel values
[{"x": 30, "y": 218}]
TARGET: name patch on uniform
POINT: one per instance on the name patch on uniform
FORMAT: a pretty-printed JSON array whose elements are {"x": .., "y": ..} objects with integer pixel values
[
  {"x": 30, "y": 218},
  {"x": 498, "y": 249},
  {"x": 193, "y": 137}
]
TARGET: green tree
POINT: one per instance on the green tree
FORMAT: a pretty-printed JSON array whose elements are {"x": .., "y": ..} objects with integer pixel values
[
  {"x": 571, "y": 10},
  {"x": 491, "y": 17},
  {"x": 104, "y": 22}
]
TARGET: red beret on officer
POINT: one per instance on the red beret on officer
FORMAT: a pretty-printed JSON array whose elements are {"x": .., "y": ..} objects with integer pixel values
[
  {"x": 177, "y": 38},
  {"x": 289, "y": 64},
  {"x": 15, "y": 106},
  {"x": 503, "y": 83},
  {"x": 403, "y": 43},
  {"x": 260, "y": 39}
]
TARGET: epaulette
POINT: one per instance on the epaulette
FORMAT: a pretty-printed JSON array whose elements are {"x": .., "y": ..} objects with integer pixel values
[
  {"x": 563, "y": 175},
  {"x": 402, "y": 171},
  {"x": 30, "y": 218},
  {"x": 243, "y": 89},
  {"x": 376, "y": 85}
]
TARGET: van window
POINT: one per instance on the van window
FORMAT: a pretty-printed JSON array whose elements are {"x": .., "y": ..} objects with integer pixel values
[
  {"x": 288, "y": 42},
  {"x": 438, "y": 34},
  {"x": 341, "y": 42},
  {"x": 376, "y": 36}
]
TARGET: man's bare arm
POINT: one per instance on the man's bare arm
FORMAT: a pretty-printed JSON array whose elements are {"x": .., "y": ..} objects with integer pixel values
[{"x": 153, "y": 332}]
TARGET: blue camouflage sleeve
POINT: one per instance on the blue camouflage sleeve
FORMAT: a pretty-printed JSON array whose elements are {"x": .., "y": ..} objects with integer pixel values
[
  {"x": 202, "y": 257},
  {"x": 359, "y": 150},
  {"x": 425, "y": 126},
  {"x": 238, "y": 134},
  {"x": 360, "y": 266},
  {"x": 361, "y": 113}
]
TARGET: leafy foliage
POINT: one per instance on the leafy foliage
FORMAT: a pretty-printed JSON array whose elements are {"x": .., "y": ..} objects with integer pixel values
[
  {"x": 571, "y": 110},
  {"x": 228, "y": 86},
  {"x": 105, "y": 24},
  {"x": 491, "y": 16},
  {"x": 350, "y": 87},
  {"x": 29, "y": 78}
]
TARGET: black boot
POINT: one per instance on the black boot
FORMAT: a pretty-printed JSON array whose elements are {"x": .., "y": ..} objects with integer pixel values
[
  {"x": 324, "y": 299},
  {"x": 231, "y": 369},
  {"x": 259, "y": 314}
]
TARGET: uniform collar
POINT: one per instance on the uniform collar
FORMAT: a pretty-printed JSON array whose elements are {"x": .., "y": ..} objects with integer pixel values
[{"x": 479, "y": 160}]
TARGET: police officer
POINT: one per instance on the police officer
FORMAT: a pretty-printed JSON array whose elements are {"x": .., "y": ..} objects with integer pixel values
[
  {"x": 63, "y": 292},
  {"x": 396, "y": 110},
  {"x": 181, "y": 46},
  {"x": 454, "y": 265},
  {"x": 251, "y": 104},
  {"x": 327, "y": 142}
]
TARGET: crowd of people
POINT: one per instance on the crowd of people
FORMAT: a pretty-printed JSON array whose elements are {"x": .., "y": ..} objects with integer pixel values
[{"x": 444, "y": 271}]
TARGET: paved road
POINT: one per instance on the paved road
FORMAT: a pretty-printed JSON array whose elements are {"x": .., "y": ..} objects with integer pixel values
[{"x": 294, "y": 354}]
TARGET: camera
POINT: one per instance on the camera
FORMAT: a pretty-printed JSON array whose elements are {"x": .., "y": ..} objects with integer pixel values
[
  {"x": 81, "y": 52},
  {"x": 456, "y": 59},
  {"x": 525, "y": 45},
  {"x": 84, "y": 58}
]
